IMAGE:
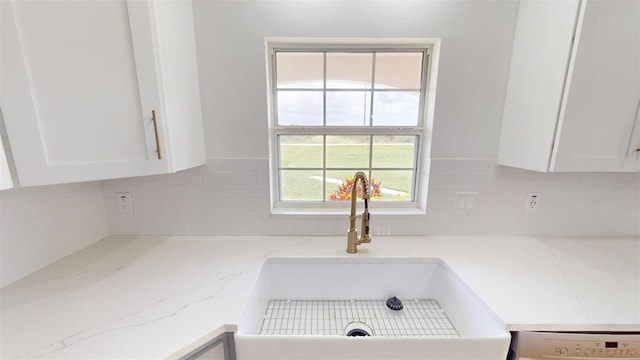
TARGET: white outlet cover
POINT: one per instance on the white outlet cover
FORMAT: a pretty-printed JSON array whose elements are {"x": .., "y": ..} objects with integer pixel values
[
  {"x": 532, "y": 202},
  {"x": 125, "y": 205}
]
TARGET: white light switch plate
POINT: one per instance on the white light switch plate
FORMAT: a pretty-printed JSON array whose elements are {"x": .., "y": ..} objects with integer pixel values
[{"x": 464, "y": 202}]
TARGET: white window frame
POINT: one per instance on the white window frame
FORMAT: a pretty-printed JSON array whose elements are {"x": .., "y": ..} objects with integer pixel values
[{"x": 423, "y": 130}]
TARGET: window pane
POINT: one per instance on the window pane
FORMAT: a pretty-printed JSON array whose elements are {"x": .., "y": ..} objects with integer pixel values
[
  {"x": 394, "y": 151},
  {"x": 396, "y": 108},
  {"x": 299, "y": 70},
  {"x": 349, "y": 70},
  {"x": 346, "y": 88},
  {"x": 395, "y": 185},
  {"x": 351, "y": 152},
  {"x": 301, "y": 185},
  {"x": 300, "y": 108},
  {"x": 338, "y": 184},
  {"x": 348, "y": 108},
  {"x": 300, "y": 151},
  {"x": 398, "y": 70}
]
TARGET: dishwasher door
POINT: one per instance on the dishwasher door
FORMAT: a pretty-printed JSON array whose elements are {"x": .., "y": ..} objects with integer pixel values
[{"x": 530, "y": 345}]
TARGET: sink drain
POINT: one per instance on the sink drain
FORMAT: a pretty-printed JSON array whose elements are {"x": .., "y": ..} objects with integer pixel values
[
  {"x": 358, "y": 332},
  {"x": 358, "y": 328}
]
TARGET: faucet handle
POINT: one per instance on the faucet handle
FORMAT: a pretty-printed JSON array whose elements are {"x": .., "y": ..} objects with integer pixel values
[{"x": 365, "y": 237}]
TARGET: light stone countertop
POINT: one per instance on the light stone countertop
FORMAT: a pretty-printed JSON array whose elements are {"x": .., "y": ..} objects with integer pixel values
[{"x": 152, "y": 297}]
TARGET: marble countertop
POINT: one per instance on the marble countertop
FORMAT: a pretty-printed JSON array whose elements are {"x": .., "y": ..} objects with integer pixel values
[{"x": 152, "y": 297}]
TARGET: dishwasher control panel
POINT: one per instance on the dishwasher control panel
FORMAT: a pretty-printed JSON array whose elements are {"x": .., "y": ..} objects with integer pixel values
[{"x": 561, "y": 345}]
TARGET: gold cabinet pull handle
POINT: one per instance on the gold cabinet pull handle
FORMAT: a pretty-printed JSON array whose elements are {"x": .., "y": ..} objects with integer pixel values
[{"x": 155, "y": 129}]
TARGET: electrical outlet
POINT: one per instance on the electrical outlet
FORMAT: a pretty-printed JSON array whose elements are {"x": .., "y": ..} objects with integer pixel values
[
  {"x": 532, "y": 202},
  {"x": 464, "y": 202},
  {"x": 125, "y": 205}
]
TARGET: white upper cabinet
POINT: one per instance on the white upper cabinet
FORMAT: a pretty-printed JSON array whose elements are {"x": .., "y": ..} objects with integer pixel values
[
  {"x": 81, "y": 80},
  {"x": 573, "y": 94},
  {"x": 6, "y": 182}
]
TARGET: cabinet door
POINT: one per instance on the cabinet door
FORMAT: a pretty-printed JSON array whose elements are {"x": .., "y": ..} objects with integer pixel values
[
  {"x": 602, "y": 93},
  {"x": 220, "y": 348},
  {"x": 79, "y": 85},
  {"x": 5, "y": 174},
  {"x": 213, "y": 353},
  {"x": 541, "y": 52}
]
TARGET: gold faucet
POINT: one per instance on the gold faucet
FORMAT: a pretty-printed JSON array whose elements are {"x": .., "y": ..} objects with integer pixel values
[{"x": 352, "y": 235}]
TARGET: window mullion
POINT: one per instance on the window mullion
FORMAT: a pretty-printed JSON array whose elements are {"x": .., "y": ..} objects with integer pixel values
[
  {"x": 324, "y": 123},
  {"x": 324, "y": 168},
  {"x": 370, "y": 158},
  {"x": 416, "y": 159},
  {"x": 324, "y": 89},
  {"x": 373, "y": 81},
  {"x": 355, "y": 130}
]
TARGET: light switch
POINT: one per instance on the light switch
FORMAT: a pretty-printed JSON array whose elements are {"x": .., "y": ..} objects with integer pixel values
[{"x": 464, "y": 202}]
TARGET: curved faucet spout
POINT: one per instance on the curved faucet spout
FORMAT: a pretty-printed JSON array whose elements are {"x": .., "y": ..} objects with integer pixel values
[{"x": 352, "y": 235}]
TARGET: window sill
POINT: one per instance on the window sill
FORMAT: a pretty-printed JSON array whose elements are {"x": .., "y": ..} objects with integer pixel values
[{"x": 345, "y": 212}]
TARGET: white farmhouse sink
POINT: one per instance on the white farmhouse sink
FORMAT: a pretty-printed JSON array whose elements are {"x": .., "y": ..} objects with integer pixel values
[{"x": 480, "y": 335}]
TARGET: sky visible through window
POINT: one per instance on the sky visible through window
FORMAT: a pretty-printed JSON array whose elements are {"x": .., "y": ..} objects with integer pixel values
[{"x": 347, "y": 107}]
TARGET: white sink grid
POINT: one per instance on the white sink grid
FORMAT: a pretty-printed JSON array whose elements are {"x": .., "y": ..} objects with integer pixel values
[
  {"x": 419, "y": 317},
  {"x": 369, "y": 281}
]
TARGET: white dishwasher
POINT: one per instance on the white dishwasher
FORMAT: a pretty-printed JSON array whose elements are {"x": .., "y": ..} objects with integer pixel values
[{"x": 575, "y": 345}]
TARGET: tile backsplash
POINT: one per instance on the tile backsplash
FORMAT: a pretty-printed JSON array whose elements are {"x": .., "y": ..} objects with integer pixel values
[
  {"x": 42, "y": 224},
  {"x": 231, "y": 197},
  {"x": 228, "y": 196}
]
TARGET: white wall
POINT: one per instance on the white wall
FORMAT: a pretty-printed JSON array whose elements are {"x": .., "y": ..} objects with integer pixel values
[
  {"x": 474, "y": 60},
  {"x": 231, "y": 194},
  {"x": 41, "y": 225}
]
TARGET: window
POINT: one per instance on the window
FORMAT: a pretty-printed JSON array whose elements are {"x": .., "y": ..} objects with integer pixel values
[{"x": 338, "y": 110}]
